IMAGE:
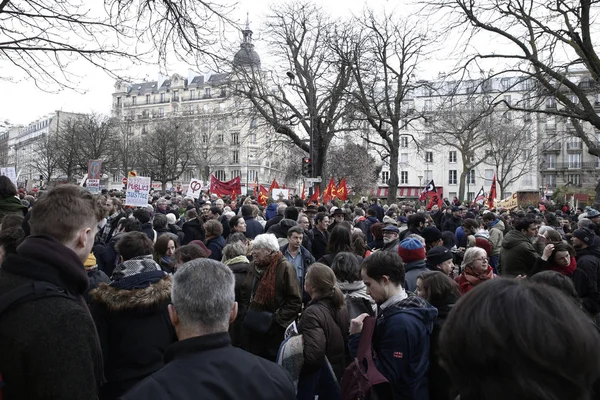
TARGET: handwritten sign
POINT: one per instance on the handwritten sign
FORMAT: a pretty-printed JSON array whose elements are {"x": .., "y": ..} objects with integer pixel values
[
  {"x": 138, "y": 189},
  {"x": 281, "y": 194},
  {"x": 508, "y": 203},
  {"x": 195, "y": 188},
  {"x": 94, "y": 169},
  {"x": 10, "y": 173},
  {"x": 93, "y": 185}
]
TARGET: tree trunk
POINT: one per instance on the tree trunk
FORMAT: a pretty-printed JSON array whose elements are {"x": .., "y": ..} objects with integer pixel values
[
  {"x": 393, "y": 183},
  {"x": 462, "y": 186}
]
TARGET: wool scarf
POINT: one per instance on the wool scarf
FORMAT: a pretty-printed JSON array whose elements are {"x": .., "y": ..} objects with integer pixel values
[
  {"x": 568, "y": 270},
  {"x": 265, "y": 292}
]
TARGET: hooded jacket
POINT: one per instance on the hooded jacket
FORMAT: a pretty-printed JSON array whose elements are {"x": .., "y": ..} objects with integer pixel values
[
  {"x": 496, "y": 230},
  {"x": 401, "y": 344},
  {"x": 11, "y": 205},
  {"x": 271, "y": 211},
  {"x": 517, "y": 255},
  {"x": 216, "y": 245},
  {"x": 193, "y": 230},
  {"x": 588, "y": 260},
  {"x": 413, "y": 269}
]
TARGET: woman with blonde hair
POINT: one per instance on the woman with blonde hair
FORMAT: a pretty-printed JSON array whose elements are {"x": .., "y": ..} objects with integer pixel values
[{"x": 475, "y": 269}]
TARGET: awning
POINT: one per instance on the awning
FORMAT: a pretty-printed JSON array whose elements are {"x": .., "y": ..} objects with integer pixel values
[{"x": 403, "y": 192}]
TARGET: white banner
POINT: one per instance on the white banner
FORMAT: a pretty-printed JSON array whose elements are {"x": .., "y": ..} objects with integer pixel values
[
  {"x": 280, "y": 193},
  {"x": 93, "y": 185},
  {"x": 138, "y": 189},
  {"x": 194, "y": 188},
  {"x": 10, "y": 173}
]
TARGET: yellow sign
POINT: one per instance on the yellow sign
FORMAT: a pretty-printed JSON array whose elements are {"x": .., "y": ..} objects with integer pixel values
[{"x": 508, "y": 203}]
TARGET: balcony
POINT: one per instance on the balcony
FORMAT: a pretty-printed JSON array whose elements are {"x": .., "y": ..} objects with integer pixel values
[
  {"x": 574, "y": 145},
  {"x": 551, "y": 147},
  {"x": 572, "y": 166}
]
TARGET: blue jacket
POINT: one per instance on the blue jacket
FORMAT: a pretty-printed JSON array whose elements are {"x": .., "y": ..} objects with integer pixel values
[
  {"x": 216, "y": 245},
  {"x": 253, "y": 228},
  {"x": 401, "y": 344},
  {"x": 271, "y": 211}
]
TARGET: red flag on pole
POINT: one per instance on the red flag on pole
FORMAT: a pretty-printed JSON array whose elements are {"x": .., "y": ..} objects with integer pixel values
[
  {"x": 342, "y": 190},
  {"x": 492, "y": 195},
  {"x": 274, "y": 185},
  {"x": 329, "y": 192},
  {"x": 315, "y": 196},
  {"x": 428, "y": 191},
  {"x": 225, "y": 188},
  {"x": 303, "y": 197},
  {"x": 262, "y": 196}
]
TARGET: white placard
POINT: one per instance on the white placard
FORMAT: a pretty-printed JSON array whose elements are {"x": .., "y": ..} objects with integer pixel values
[
  {"x": 93, "y": 185},
  {"x": 10, "y": 173},
  {"x": 138, "y": 189},
  {"x": 195, "y": 188},
  {"x": 285, "y": 194}
]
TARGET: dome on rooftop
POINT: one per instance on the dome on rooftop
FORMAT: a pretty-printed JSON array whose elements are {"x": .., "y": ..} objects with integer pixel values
[{"x": 246, "y": 57}]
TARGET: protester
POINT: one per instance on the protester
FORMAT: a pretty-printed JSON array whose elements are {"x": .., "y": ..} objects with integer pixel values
[
  {"x": 298, "y": 256},
  {"x": 9, "y": 201},
  {"x": 50, "y": 347},
  {"x": 324, "y": 326},
  {"x": 273, "y": 297},
  {"x": 496, "y": 228},
  {"x": 475, "y": 269},
  {"x": 203, "y": 362},
  {"x": 518, "y": 253},
  {"x": 588, "y": 252},
  {"x": 346, "y": 268},
  {"x": 516, "y": 340},
  {"x": 164, "y": 248},
  {"x": 391, "y": 240},
  {"x": 192, "y": 228},
  {"x": 377, "y": 237},
  {"x": 401, "y": 344},
  {"x": 187, "y": 253},
  {"x": 320, "y": 236},
  {"x": 253, "y": 227},
  {"x": 234, "y": 256},
  {"x": 214, "y": 240},
  {"x": 413, "y": 254},
  {"x": 439, "y": 258},
  {"x": 339, "y": 241}
]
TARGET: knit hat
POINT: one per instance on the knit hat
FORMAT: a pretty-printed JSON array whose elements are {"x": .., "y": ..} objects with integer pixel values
[
  {"x": 411, "y": 249},
  {"x": 171, "y": 218},
  {"x": 592, "y": 213},
  {"x": 483, "y": 243},
  {"x": 586, "y": 235},
  {"x": 431, "y": 234},
  {"x": 438, "y": 254}
]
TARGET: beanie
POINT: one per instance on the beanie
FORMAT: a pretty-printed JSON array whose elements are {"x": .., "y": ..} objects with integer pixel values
[
  {"x": 586, "y": 235},
  {"x": 411, "y": 249},
  {"x": 437, "y": 255},
  {"x": 431, "y": 234},
  {"x": 483, "y": 243}
]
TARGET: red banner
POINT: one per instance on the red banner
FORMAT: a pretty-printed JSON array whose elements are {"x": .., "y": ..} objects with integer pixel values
[
  {"x": 263, "y": 195},
  {"x": 329, "y": 192},
  {"x": 303, "y": 197},
  {"x": 492, "y": 195},
  {"x": 342, "y": 190},
  {"x": 274, "y": 185},
  {"x": 232, "y": 187},
  {"x": 315, "y": 196}
]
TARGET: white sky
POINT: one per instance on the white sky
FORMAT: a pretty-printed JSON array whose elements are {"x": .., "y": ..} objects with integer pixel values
[{"x": 22, "y": 102}]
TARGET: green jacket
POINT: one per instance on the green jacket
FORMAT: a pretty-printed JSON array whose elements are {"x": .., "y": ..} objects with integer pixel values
[
  {"x": 517, "y": 255},
  {"x": 11, "y": 205}
]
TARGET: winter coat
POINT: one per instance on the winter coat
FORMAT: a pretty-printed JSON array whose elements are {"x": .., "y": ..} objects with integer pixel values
[
  {"x": 253, "y": 227},
  {"x": 307, "y": 261},
  {"x": 356, "y": 299},
  {"x": 271, "y": 211},
  {"x": 517, "y": 255},
  {"x": 408, "y": 231},
  {"x": 412, "y": 271},
  {"x": 11, "y": 205},
  {"x": 391, "y": 246},
  {"x": 208, "y": 367},
  {"x": 401, "y": 344},
  {"x": 325, "y": 333},
  {"x": 49, "y": 347},
  {"x": 369, "y": 222},
  {"x": 135, "y": 330},
  {"x": 451, "y": 224},
  {"x": 272, "y": 221},
  {"x": 376, "y": 244},
  {"x": 320, "y": 240},
  {"x": 216, "y": 245},
  {"x": 588, "y": 260},
  {"x": 496, "y": 235},
  {"x": 379, "y": 210},
  {"x": 95, "y": 278},
  {"x": 193, "y": 230},
  {"x": 149, "y": 231},
  {"x": 440, "y": 384},
  {"x": 286, "y": 305},
  {"x": 240, "y": 267}
]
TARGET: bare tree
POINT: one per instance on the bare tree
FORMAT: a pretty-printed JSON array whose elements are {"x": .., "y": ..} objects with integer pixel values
[
  {"x": 167, "y": 151},
  {"x": 351, "y": 161},
  {"x": 40, "y": 39},
  {"x": 96, "y": 136},
  {"x": 67, "y": 148},
  {"x": 551, "y": 45},
  {"x": 307, "y": 105},
  {"x": 46, "y": 158}
]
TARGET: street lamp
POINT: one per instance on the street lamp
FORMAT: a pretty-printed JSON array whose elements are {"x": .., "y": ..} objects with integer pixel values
[{"x": 420, "y": 178}]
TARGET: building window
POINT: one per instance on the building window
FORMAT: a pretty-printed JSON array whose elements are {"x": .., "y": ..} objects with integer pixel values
[
  {"x": 528, "y": 179},
  {"x": 235, "y": 157},
  {"x": 505, "y": 82},
  {"x": 551, "y": 161},
  {"x": 252, "y": 137},
  {"x": 134, "y": 100},
  {"x": 404, "y": 141},
  {"x": 144, "y": 129},
  {"x": 471, "y": 177},
  {"x": 575, "y": 160},
  {"x": 119, "y": 101},
  {"x": 403, "y": 158},
  {"x": 597, "y": 162},
  {"x": 235, "y": 173},
  {"x": 252, "y": 175},
  {"x": 452, "y": 156},
  {"x": 428, "y": 176},
  {"x": 427, "y": 139},
  {"x": 507, "y": 99},
  {"x": 223, "y": 92},
  {"x": 207, "y": 93},
  {"x": 220, "y": 175},
  {"x": 488, "y": 176},
  {"x": 575, "y": 179},
  {"x": 220, "y": 138},
  {"x": 253, "y": 123},
  {"x": 161, "y": 113},
  {"x": 130, "y": 129},
  {"x": 175, "y": 95},
  {"x": 235, "y": 138},
  {"x": 452, "y": 177},
  {"x": 162, "y": 97},
  {"x": 429, "y": 157},
  {"x": 507, "y": 117},
  {"x": 204, "y": 138},
  {"x": 385, "y": 177},
  {"x": 574, "y": 143},
  {"x": 550, "y": 102},
  {"x": 192, "y": 94},
  {"x": 404, "y": 177},
  {"x": 147, "y": 99},
  {"x": 428, "y": 105},
  {"x": 470, "y": 196}
]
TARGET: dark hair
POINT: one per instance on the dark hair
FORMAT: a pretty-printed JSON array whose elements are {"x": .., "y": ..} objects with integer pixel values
[
  {"x": 538, "y": 345},
  {"x": 448, "y": 239},
  {"x": 346, "y": 268},
  {"x": 187, "y": 253},
  {"x": 142, "y": 215},
  {"x": 216, "y": 210},
  {"x": 191, "y": 213},
  {"x": 385, "y": 263},
  {"x": 320, "y": 217},
  {"x": 553, "y": 236},
  {"x": 246, "y": 210},
  {"x": 291, "y": 213},
  {"x": 11, "y": 238},
  {"x": 371, "y": 212},
  {"x": 160, "y": 247},
  {"x": 339, "y": 240},
  {"x": 134, "y": 244},
  {"x": 160, "y": 221},
  {"x": 558, "y": 281},
  {"x": 12, "y": 221},
  {"x": 322, "y": 279},
  {"x": 562, "y": 246},
  {"x": 212, "y": 227},
  {"x": 236, "y": 237},
  {"x": 359, "y": 242},
  {"x": 234, "y": 221},
  {"x": 376, "y": 230},
  {"x": 295, "y": 229},
  {"x": 7, "y": 188},
  {"x": 470, "y": 223},
  {"x": 416, "y": 219},
  {"x": 490, "y": 216},
  {"x": 440, "y": 288},
  {"x": 523, "y": 223}
]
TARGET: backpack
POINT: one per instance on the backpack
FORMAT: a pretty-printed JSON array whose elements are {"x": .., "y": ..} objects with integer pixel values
[
  {"x": 27, "y": 292},
  {"x": 361, "y": 378}
]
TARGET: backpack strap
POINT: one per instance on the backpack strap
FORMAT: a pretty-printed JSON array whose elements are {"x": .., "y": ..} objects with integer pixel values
[{"x": 30, "y": 291}]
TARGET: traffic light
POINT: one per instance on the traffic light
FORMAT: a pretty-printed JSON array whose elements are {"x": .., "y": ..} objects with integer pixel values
[{"x": 306, "y": 167}]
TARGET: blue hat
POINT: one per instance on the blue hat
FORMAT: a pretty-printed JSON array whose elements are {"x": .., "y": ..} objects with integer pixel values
[
  {"x": 411, "y": 249},
  {"x": 592, "y": 213}
]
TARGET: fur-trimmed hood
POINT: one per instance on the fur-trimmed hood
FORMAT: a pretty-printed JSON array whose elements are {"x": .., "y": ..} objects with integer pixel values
[{"x": 151, "y": 297}]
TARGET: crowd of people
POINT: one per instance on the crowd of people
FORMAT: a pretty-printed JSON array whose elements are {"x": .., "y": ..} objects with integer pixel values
[{"x": 225, "y": 299}]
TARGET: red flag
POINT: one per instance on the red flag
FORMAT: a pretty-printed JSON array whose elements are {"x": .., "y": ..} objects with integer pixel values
[
  {"x": 255, "y": 186},
  {"x": 233, "y": 196},
  {"x": 433, "y": 200},
  {"x": 329, "y": 192},
  {"x": 225, "y": 188},
  {"x": 480, "y": 198},
  {"x": 492, "y": 194},
  {"x": 262, "y": 195},
  {"x": 315, "y": 196},
  {"x": 428, "y": 191},
  {"x": 342, "y": 190},
  {"x": 274, "y": 185},
  {"x": 303, "y": 197}
]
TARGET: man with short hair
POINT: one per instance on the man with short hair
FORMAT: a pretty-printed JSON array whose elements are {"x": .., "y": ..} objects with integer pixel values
[
  {"x": 114, "y": 215},
  {"x": 379, "y": 211},
  {"x": 49, "y": 347},
  {"x": 518, "y": 255},
  {"x": 307, "y": 239},
  {"x": 162, "y": 206},
  {"x": 320, "y": 236},
  {"x": 298, "y": 256},
  {"x": 453, "y": 222},
  {"x": 204, "y": 363},
  {"x": 416, "y": 223},
  {"x": 402, "y": 338}
]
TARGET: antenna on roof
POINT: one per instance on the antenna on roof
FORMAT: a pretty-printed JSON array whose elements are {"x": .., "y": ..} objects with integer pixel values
[{"x": 247, "y": 21}]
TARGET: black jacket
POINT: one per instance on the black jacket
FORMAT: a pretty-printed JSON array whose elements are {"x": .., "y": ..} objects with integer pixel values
[
  {"x": 193, "y": 230},
  {"x": 273, "y": 221},
  {"x": 440, "y": 384},
  {"x": 320, "y": 240},
  {"x": 216, "y": 245},
  {"x": 253, "y": 227},
  {"x": 49, "y": 347},
  {"x": 451, "y": 224},
  {"x": 135, "y": 331},
  {"x": 240, "y": 270},
  {"x": 588, "y": 260},
  {"x": 208, "y": 367}
]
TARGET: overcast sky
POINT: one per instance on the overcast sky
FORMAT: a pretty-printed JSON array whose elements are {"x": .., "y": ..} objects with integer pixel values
[{"x": 22, "y": 102}]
